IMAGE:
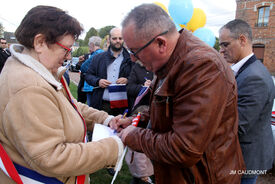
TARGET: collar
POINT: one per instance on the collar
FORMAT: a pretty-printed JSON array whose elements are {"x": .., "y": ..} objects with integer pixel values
[
  {"x": 17, "y": 49},
  {"x": 236, "y": 67}
]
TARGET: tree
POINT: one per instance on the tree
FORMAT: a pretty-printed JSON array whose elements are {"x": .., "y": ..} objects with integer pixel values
[
  {"x": 105, "y": 31},
  {"x": 81, "y": 51},
  {"x": 1, "y": 30},
  {"x": 92, "y": 32},
  {"x": 217, "y": 46},
  {"x": 81, "y": 42}
]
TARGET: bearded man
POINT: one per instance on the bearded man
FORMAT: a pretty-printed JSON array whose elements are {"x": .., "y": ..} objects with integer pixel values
[{"x": 110, "y": 67}]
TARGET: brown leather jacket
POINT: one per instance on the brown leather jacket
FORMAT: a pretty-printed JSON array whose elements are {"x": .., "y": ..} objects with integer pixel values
[{"x": 194, "y": 118}]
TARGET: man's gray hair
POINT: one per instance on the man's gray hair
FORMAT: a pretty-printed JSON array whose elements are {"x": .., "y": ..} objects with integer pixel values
[
  {"x": 238, "y": 27},
  {"x": 96, "y": 40},
  {"x": 149, "y": 20}
]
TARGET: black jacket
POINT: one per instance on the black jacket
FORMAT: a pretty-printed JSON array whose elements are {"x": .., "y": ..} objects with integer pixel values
[
  {"x": 3, "y": 57},
  {"x": 137, "y": 78},
  {"x": 98, "y": 70}
]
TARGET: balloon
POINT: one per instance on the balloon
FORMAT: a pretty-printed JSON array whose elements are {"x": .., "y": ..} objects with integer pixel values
[
  {"x": 178, "y": 27},
  {"x": 162, "y": 6},
  {"x": 206, "y": 35},
  {"x": 184, "y": 26},
  {"x": 198, "y": 20},
  {"x": 181, "y": 10}
]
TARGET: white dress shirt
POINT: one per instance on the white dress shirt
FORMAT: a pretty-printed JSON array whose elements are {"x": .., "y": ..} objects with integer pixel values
[{"x": 236, "y": 67}]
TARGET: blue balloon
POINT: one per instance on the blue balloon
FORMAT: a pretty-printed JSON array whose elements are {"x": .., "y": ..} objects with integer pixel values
[
  {"x": 206, "y": 35},
  {"x": 181, "y": 10}
]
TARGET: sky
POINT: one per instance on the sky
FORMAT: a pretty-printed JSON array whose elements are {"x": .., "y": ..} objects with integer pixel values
[{"x": 101, "y": 13}]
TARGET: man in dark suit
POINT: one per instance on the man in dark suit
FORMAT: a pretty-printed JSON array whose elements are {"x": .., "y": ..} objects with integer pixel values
[
  {"x": 4, "y": 52},
  {"x": 255, "y": 98}
]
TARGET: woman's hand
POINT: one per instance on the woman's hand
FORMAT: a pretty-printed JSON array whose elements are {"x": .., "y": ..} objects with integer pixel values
[{"x": 118, "y": 123}]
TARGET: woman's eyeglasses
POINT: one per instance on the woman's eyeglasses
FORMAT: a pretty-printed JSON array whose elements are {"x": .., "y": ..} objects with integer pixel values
[{"x": 67, "y": 50}]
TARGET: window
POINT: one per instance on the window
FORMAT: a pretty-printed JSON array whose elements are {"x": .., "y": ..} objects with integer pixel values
[{"x": 263, "y": 16}]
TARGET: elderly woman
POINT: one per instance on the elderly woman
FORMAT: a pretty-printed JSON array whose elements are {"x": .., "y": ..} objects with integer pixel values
[{"x": 42, "y": 127}]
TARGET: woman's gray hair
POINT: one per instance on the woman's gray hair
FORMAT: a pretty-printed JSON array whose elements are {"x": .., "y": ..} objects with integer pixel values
[
  {"x": 149, "y": 20},
  {"x": 96, "y": 40}
]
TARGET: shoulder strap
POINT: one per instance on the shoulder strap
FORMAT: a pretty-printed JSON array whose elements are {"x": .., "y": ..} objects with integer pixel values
[
  {"x": 7, "y": 166},
  {"x": 79, "y": 179}
]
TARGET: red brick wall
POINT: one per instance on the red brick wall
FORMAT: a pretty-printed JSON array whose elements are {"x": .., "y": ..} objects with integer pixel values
[{"x": 261, "y": 35}]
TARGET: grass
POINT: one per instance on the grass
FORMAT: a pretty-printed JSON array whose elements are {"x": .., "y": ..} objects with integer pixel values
[
  {"x": 102, "y": 176},
  {"x": 73, "y": 89}
]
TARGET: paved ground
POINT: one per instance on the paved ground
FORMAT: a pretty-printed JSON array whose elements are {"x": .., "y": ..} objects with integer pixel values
[
  {"x": 74, "y": 77},
  {"x": 266, "y": 179}
]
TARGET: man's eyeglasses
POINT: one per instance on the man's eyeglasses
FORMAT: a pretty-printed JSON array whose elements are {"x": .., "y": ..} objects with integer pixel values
[
  {"x": 146, "y": 45},
  {"x": 3, "y": 42},
  {"x": 67, "y": 50}
]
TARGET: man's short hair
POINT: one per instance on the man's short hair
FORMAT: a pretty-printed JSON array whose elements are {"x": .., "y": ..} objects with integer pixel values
[
  {"x": 149, "y": 20},
  {"x": 96, "y": 40},
  {"x": 238, "y": 27}
]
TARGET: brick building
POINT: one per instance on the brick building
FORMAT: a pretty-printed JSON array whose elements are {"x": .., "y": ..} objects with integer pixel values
[{"x": 260, "y": 14}]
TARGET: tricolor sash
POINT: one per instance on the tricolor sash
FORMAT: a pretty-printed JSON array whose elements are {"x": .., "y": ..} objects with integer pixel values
[
  {"x": 23, "y": 175},
  {"x": 79, "y": 179}
]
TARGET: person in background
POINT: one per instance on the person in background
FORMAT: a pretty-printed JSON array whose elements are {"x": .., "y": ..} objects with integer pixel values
[
  {"x": 81, "y": 95},
  {"x": 256, "y": 94},
  {"x": 138, "y": 78},
  {"x": 139, "y": 165},
  {"x": 94, "y": 43},
  {"x": 192, "y": 134},
  {"x": 4, "y": 52},
  {"x": 111, "y": 66},
  {"x": 42, "y": 127}
]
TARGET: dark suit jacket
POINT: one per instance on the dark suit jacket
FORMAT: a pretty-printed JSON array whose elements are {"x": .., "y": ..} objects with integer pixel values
[
  {"x": 4, "y": 54},
  {"x": 256, "y": 93}
]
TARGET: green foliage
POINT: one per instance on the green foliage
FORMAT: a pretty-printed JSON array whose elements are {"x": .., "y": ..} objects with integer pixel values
[
  {"x": 81, "y": 42},
  {"x": 105, "y": 31},
  {"x": 91, "y": 32},
  {"x": 81, "y": 51},
  {"x": 216, "y": 46},
  {"x": 73, "y": 89}
]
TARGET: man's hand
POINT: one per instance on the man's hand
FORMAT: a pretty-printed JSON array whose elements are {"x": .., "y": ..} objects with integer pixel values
[
  {"x": 81, "y": 58},
  {"x": 122, "y": 80},
  {"x": 103, "y": 83},
  {"x": 147, "y": 83},
  {"x": 123, "y": 134},
  {"x": 118, "y": 123},
  {"x": 113, "y": 123}
]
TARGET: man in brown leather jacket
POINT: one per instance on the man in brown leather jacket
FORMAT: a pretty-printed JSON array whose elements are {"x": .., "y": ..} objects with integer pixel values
[{"x": 193, "y": 111}]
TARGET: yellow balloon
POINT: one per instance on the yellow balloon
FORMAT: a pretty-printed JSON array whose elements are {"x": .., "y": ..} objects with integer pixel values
[
  {"x": 162, "y": 6},
  {"x": 183, "y": 26},
  {"x": 198, "y": 20}
]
